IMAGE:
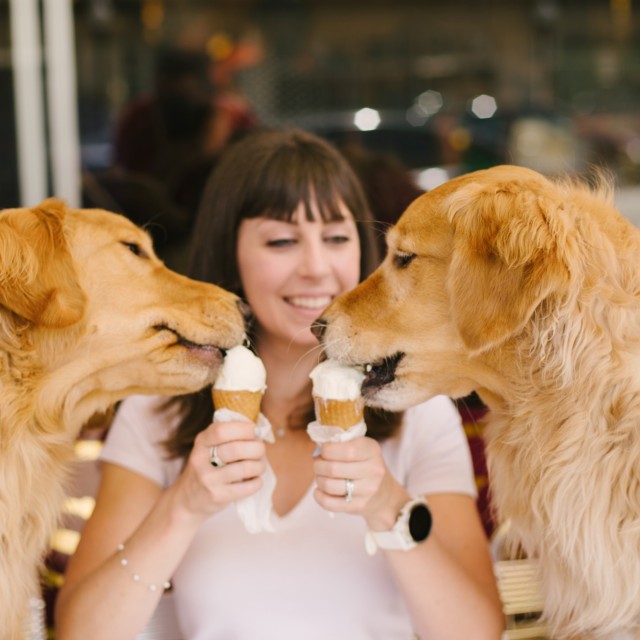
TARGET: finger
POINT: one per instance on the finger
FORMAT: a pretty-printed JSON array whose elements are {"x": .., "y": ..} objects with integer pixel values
[
  {"x": 337, "y": 504},
  {"x": 245, "y": 488},
  {"x": 352, "y": 450},
  {"x": 219, "y": 432},
  {"x": 226, "y": 493},
  {"x": 342, "y": 451},
  {"x": 362, "y": 488},
  {"x": 229, "y": 452},
  {"x": 336, "y": 487},
  {"x": 238, "y": 472},
  {"x": 333, "y": 469}
]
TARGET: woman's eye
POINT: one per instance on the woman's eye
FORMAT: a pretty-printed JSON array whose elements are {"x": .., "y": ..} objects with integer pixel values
[
  {"x": 337, "y": 239},
  {"x": 281, "y": 242}
]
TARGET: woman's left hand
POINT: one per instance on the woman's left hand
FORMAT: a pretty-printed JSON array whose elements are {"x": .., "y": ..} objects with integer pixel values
[{"x": 375, "y": 494}]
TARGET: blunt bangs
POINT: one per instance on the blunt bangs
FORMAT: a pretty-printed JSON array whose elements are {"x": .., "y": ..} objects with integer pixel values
[{"x": 301, "y": 174}]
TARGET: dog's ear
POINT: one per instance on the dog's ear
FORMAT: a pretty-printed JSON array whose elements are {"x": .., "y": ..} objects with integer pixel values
[
  {"x": 38, "y": 280},
  {"x": 507, "y": 256}
]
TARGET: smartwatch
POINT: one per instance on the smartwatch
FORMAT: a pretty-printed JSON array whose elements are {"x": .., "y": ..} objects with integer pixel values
[{"x": 412, "y": 527}]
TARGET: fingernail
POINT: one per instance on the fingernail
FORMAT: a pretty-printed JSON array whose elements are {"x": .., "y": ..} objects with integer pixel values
[{"x": 317, "y": 451}]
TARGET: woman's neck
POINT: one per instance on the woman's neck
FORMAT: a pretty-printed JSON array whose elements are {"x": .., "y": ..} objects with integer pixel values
[{"x": 288, "y": 385}]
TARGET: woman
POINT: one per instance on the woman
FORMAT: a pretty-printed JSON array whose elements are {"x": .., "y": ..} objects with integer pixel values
[{"x": 283, "y": 223}]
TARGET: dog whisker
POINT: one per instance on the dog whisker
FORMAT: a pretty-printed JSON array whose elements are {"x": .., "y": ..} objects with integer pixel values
[{"x": 316, "y": 348}]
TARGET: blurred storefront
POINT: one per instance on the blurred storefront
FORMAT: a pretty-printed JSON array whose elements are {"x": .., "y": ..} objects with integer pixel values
[{"x": 446, "y": 87}]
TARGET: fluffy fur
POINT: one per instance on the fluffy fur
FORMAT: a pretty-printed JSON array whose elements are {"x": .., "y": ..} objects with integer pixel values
[
  {"x": 88, "y": 315},
  {"x": 528, "y": 291}
]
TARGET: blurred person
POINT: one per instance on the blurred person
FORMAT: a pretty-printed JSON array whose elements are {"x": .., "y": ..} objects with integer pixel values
[
  {"x": 166, "y": 142},
  {"x": 164, "y": 133},
  {"x": 284, "y": 224},
  {"x": 388, "y": 185}
]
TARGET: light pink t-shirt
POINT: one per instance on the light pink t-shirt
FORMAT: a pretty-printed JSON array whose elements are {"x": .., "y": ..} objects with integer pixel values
[{"x": 311, "y": 579}]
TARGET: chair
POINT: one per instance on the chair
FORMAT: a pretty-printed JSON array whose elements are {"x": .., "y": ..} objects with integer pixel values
[
  {"x": 522, "y": 604},
  {"x": 520, "y": 592}
]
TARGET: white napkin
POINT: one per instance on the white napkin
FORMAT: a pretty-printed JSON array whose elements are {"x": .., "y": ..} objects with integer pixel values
[
  {"x": 255, "y": 510},
  {"x": 321, "y": 433}
]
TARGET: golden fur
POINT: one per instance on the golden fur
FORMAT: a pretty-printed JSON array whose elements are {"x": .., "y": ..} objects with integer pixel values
[
  {"x": 88, "y": 315},
  {"x": 528, "y": 291}
]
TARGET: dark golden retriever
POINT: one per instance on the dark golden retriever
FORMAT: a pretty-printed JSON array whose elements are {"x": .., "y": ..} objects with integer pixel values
[
  {"x": 527, "y": 290},
  {"x": 88, "y": 315}
]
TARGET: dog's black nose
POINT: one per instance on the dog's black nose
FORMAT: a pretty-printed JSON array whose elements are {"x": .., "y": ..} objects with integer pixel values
[{"x": 318, "y": 328}]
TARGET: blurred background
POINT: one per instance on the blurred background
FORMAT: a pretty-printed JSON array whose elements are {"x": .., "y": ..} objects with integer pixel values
[{"x": 126, "y": 103}]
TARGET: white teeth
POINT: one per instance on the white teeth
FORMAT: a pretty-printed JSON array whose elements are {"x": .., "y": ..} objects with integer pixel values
[
  {"x": 368, "y": 368},
  {"x": 319, "y": 302}
]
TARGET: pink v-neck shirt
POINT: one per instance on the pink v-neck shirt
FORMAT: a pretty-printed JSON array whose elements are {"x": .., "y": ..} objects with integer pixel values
[{"x": 311, "y": 578}]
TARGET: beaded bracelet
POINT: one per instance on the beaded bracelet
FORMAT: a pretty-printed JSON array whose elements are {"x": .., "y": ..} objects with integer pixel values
[{"x": 135, "y": 576}]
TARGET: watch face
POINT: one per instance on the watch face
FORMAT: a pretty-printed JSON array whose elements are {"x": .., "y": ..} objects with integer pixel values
[{"x": 420, "y": 522}]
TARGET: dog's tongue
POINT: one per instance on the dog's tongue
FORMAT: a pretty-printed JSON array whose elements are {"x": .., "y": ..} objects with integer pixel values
[{"x": 211, "y": 356}]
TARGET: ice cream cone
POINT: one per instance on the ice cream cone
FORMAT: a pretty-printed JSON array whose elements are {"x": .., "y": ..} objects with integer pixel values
[
  {"x": 338, "y": 413},
  {"x": 244, "y": 402}
]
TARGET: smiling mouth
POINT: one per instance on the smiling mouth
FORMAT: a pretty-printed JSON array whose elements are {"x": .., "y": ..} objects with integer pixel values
[
  {"x": 313, "y": 303},
  {"x": 381, "y": 373}
]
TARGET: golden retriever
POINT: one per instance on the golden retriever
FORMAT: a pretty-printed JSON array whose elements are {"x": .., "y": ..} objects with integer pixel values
[
  {"x": 88, "y": 315},
  {"x": 527, "y": 290}
]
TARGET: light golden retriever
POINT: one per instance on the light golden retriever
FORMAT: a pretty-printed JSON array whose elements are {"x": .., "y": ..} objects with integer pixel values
[
  {"x": 528, "y": 291},
  {"x": 88, "y": 315}
]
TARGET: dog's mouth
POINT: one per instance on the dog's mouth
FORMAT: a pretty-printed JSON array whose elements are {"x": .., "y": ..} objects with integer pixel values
[
  {"x": 209, "y": 353},
  {"x": 381, "y": 373}
]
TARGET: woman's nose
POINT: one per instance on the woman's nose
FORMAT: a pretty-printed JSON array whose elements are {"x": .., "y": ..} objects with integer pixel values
[{"x": 315, "y": 260}]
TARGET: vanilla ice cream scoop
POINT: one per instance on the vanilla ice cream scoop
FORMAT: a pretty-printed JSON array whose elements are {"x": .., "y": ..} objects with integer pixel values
[
  {"x": 336, "y": 393},
  {"x": 241, "y": 370},
  {"x": 335, "y": 381},
  {"x": 241, "y": 383}
]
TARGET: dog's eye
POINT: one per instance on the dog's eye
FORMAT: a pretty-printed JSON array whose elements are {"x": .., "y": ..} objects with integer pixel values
[
  {"x": 402, "y": 259},
  {"x": 136, "y": 249}
]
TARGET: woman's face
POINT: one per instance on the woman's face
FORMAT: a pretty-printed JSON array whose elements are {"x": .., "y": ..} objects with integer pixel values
[{"x": 290, "y": 271}]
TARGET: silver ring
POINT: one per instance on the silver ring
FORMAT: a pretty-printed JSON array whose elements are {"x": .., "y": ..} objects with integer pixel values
[
  {"x": 348, "y": 490},
  {"x": 214, "y": 459}
]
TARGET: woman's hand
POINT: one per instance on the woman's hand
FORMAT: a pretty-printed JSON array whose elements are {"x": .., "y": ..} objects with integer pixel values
[
  {"x": 376, "y": 495},
  {"x": 203, "y": 489}
]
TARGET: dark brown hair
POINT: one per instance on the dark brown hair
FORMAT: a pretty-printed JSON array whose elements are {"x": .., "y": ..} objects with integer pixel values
[{"x": 269, "y": 173}]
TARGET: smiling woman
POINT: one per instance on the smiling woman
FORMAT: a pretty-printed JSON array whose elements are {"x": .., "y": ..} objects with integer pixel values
[
  {"x": 284, "y": 225},
  {"x": 292, "y": 270}
]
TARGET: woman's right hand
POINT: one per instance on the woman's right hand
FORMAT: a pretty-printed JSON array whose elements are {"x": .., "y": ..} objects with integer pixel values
[{"x": 203, "y": 489}]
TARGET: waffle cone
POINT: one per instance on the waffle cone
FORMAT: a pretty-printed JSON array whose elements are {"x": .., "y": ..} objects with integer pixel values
[
  {"x": 339, "y": 413},
  {"x": 245, "y": 402}
]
